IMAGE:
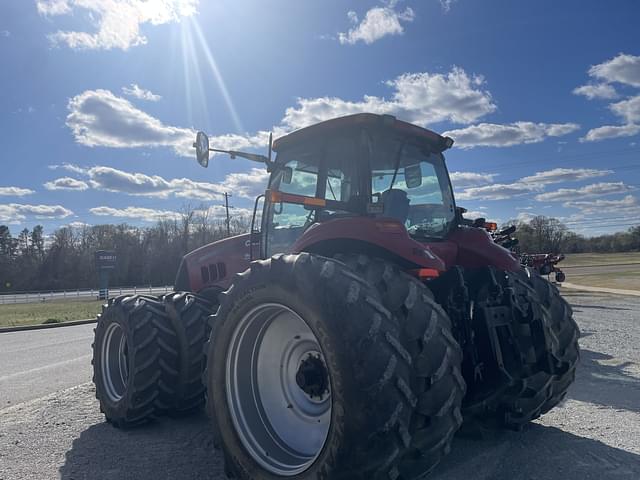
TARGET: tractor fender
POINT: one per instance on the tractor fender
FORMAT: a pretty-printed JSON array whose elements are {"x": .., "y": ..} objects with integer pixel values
[
  {"x": 381, "y": 237},
  {"x": 476, "y": 249}
]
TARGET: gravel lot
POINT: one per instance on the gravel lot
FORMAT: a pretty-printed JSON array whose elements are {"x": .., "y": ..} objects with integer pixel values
[{"x": 594, "y": 435}]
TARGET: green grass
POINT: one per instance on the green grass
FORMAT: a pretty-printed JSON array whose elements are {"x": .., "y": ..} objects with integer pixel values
[
  {"x": 586, "y": 259},
  {"x": 51, "y": 311}
]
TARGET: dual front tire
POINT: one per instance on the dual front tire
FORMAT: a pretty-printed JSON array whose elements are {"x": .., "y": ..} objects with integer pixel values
[{"x": 147, "y": 357}]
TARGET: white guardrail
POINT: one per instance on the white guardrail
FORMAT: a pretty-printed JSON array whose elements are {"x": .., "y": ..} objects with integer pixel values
[{"x": 53, "y": 295}]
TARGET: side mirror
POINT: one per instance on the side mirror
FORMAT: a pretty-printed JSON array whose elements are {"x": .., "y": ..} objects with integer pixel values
[
  {"x": 413, "y": 175},
  {"x": 202, "y": 149}
]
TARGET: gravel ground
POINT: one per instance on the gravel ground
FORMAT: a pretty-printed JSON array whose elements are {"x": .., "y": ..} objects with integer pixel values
[{"x": 595, "y": 434}]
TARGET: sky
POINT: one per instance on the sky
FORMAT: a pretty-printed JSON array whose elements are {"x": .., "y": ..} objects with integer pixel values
[{"x": 101, "y": 100}]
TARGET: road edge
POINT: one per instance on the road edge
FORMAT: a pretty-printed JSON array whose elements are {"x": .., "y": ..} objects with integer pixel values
[
  {"x": 20, "y": 328},
  {"x": 615, "y": 291}
]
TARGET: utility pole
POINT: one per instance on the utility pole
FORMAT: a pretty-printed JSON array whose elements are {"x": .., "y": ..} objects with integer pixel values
[{"x": 226, "y": 206}]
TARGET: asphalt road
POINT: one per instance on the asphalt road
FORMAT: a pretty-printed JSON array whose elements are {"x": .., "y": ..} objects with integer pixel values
[
  {"x": 38, "y": 362},
  {"x": 595, "y": 434}
]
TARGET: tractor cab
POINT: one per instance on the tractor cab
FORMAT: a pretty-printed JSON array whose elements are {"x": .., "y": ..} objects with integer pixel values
[{"x": 363, "y": 165}]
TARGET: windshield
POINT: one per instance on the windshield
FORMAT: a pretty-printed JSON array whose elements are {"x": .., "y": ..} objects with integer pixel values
[
  {"x": 409, "y": 182},
  {"x": 413, "y": 185}
]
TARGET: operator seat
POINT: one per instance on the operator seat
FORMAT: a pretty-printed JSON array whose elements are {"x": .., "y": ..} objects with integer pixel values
[{"x": 395, "y": 204}]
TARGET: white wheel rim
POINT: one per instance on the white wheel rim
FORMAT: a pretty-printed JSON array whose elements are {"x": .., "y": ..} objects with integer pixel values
[
  {"x": 278, "y": 389},
  {"x": 115, "y": 362}
]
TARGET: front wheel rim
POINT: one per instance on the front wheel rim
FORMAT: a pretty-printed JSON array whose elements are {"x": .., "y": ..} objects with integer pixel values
[{"x": 278, "y": 389}]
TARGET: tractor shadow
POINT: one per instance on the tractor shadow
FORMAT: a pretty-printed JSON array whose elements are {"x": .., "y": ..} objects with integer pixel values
[
  {"x": 171, "y": 449},
  {"x": 603, "y": 381},
  {"x": 183, "y": 450},
  {"x": 539, "y": 452}
]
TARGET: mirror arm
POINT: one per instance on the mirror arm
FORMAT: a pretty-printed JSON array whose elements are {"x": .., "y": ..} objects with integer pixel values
[{"x": 249, "y": 156}]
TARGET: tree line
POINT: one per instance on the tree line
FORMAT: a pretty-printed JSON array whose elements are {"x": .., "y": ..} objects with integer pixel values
[
  {"x": 549, "y": 235},
  {"x": 31, "y": 261},
  {"x": 151, "y": 255}
]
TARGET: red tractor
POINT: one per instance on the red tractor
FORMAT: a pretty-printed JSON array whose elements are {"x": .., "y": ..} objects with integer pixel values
[{"x": 349, "y": 333}]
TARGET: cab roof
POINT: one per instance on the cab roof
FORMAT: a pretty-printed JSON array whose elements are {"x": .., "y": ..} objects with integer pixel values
[{"x": 361, "y": 120}]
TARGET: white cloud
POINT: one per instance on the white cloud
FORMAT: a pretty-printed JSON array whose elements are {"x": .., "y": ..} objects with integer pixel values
[
  {"x": 135, "y": 91},
  {"x": 68, "y": 167},
  {"x": 588, "y": 191},
  {"x": 99, "y": 118},
  {"x": 628, "y": 109},
  {"x": 600, "y": 90},
  {"x": 471, "y": 179},
  {"x": 526, "y": 217},
  {"x": 215, "y": 212},
  {"x": 116, "y": 22},
  {"x": 558, "y": 175},
  {"x": 66, "y": 183},
  {"x": 247, "y": 184},
  {"x": 15, "y": 191},
  {"x": 473, "y": 214},
  {"x": 498, "y": 191},
  {"x": 136, "y": 213},
  {"x": 78, "y": 225},
  {"x": 610, "y": 131},
  {"x": 113, "y": 180},
  {"x": 5, "y": 33},
  {"x": 421, "y": 98},
  {"x": 625, "y": 206},
  {"x": 497, "y": 135},
  {"x": 16, "y": 212},
  {"x": 376, "y": 24},
  {"x": 446, "y": 4},
  {"x": 53, "y": 7},
  {"x": 623, "y": 68}
]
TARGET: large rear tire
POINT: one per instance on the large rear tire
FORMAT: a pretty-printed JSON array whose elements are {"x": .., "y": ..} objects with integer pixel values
[
  {"x": 132, "y": 358},
  {"x": 306, "y": 375},
  {"x": 437, "y": 382}
]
